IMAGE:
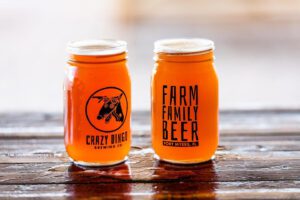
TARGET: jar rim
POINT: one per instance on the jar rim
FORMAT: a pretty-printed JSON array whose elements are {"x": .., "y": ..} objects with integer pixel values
[
  {"x": 100, "y": 47},
  {"x": 183, "y": 45}
]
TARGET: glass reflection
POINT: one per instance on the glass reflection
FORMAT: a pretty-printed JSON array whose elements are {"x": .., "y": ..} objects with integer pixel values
[
  {"x": 90, "y": 182},
  {"x": 184, "y": 181}
]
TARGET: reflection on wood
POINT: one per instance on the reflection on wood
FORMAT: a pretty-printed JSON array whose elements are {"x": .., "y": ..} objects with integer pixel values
[{"x": 247, "y": 165}]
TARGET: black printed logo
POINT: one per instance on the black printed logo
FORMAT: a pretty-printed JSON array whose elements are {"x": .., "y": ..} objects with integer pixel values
[{"x": 106, "y": 109}]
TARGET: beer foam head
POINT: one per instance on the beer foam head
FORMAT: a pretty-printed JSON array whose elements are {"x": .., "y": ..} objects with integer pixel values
[
  {"x": 183, "y": 45},
  {"x": 97, "y": 47}
]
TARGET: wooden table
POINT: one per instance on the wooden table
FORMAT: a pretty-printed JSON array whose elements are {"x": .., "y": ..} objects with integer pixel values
[{"x": 258, "y": 157}]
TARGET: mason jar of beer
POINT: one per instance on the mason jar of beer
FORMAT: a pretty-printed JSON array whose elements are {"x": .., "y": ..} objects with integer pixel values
[
  {"x": 184, "y": 101},
  {"x": 97, "y": 102}
]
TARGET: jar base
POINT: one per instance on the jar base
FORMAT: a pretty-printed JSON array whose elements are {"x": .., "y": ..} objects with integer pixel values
[
  {"x": 183, "y": 162},
  {"x": 97, "y": 164}
]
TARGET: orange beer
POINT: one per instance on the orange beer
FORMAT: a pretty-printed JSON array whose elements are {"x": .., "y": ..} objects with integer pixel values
[
  {"x": 184, "y": 101},
  {"x": 97, "y": 102}
]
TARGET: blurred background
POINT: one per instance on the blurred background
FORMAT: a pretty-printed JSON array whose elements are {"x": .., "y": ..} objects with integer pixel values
[{"x": 257, "y": 46}]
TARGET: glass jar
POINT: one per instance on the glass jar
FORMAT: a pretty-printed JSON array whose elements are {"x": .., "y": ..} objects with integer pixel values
[
  {"x": 97, "y": 102},
  {"x": 184, "y": 101}
]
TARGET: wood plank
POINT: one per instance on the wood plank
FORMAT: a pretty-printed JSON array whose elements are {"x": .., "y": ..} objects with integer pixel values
[
  {"x": 199, "y": 190},
  {"x": 61, "y": 157},
  {"x": 142, "y": 167},
  {"x": 232, "y": 147},
  {"x": 231, "y": 122},
  {"x": 262, "y": 143}
]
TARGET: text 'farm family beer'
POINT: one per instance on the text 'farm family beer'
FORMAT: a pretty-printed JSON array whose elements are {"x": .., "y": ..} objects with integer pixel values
[
  {"x": 184, "y": 101},
  {"x": 97, "y": 102}
]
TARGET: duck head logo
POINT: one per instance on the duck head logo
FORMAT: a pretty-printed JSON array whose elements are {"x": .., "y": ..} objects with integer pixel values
[{"x": 106, "y": 109}]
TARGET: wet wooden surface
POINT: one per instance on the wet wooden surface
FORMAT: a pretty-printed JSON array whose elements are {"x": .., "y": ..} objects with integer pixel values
[{"x": 258, "y": 158}]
